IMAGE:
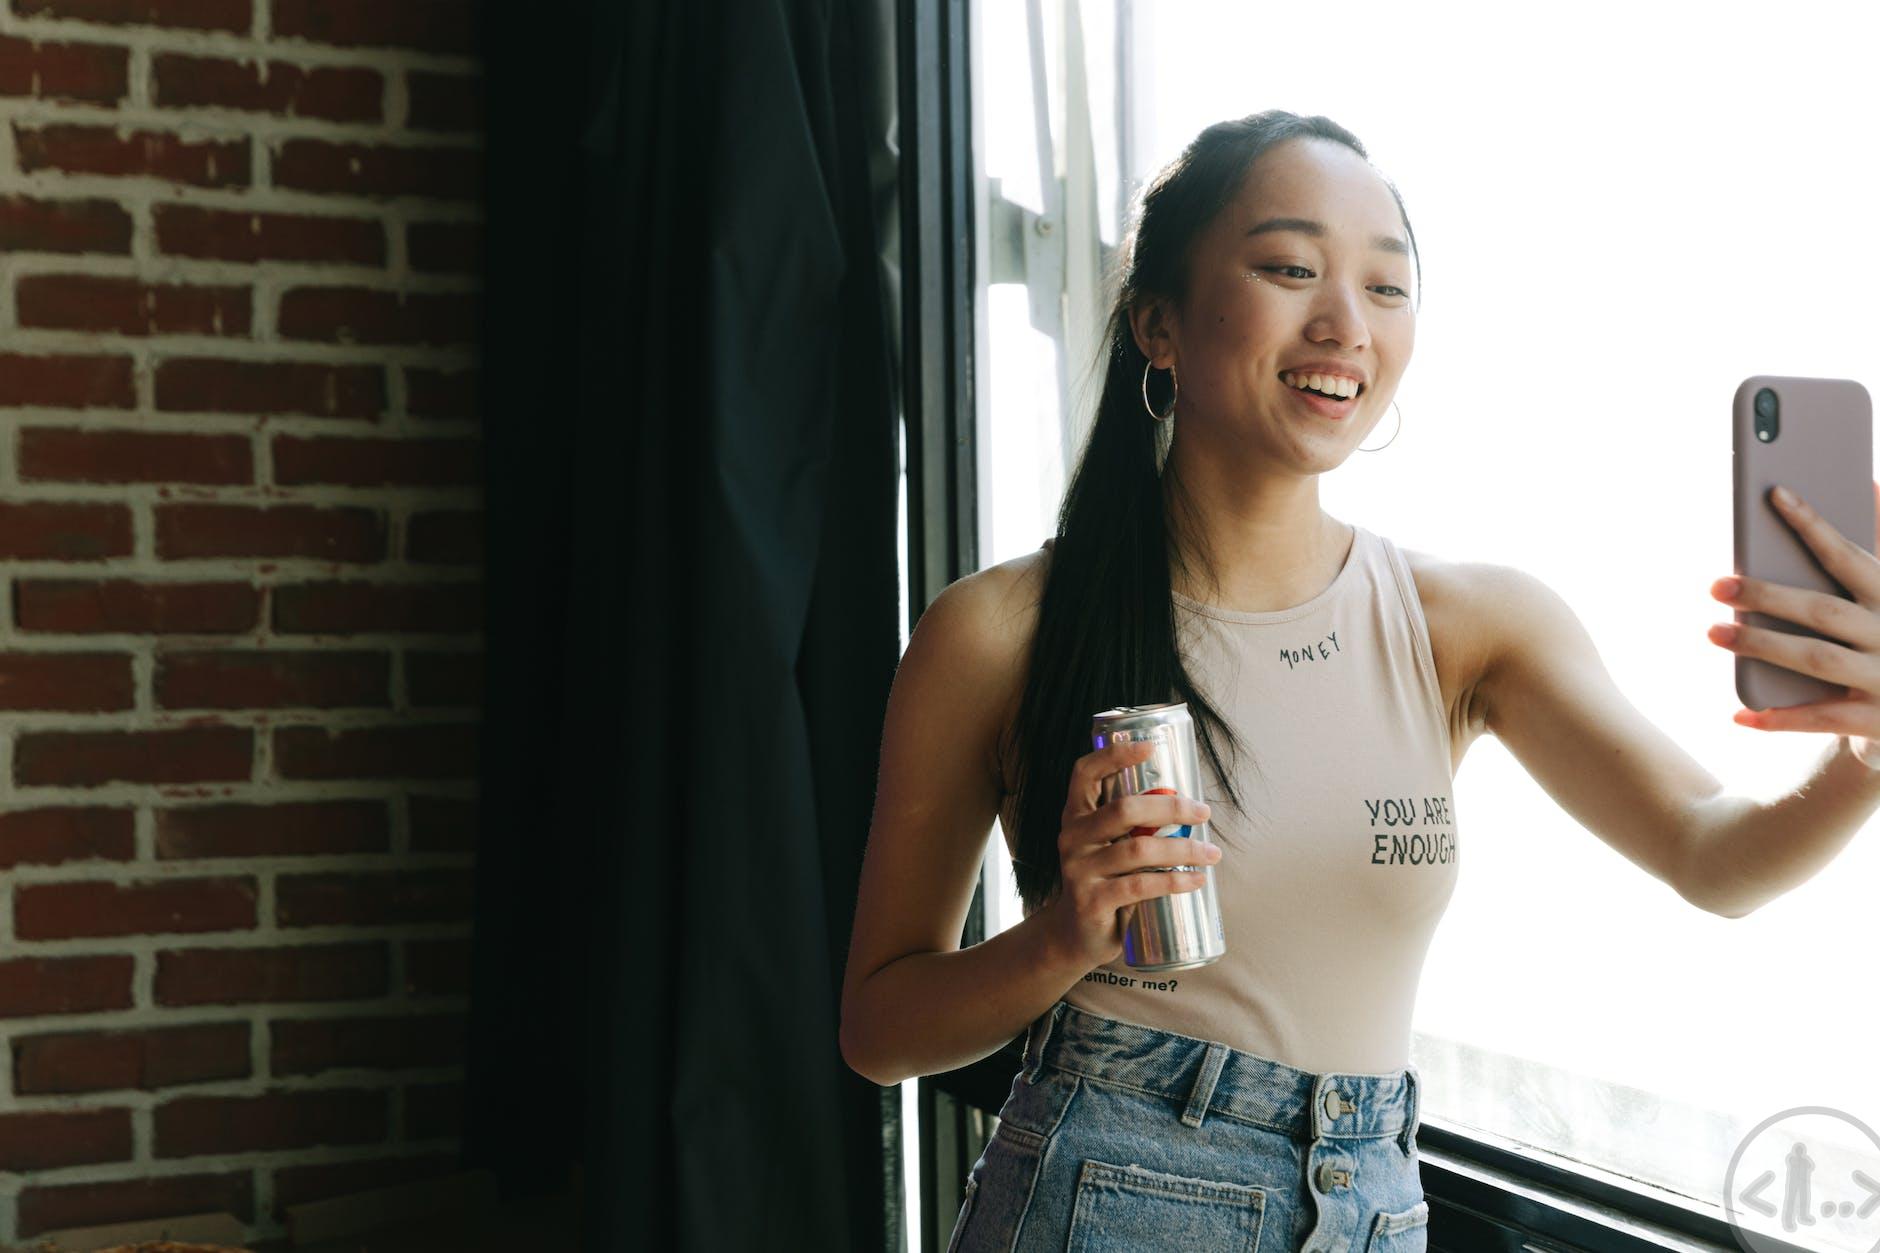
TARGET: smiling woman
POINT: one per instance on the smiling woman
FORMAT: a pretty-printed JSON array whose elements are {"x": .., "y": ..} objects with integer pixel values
[{"x": 1198, "y": 1102}]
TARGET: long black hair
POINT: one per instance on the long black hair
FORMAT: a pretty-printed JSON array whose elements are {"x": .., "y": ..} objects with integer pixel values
[{"x": 1106, "y": 627}]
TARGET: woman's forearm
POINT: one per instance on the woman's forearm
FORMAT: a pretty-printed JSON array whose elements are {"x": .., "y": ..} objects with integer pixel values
[
  {"x": 928, "y": 1013},
  {"x": 1747, "y": 851}
]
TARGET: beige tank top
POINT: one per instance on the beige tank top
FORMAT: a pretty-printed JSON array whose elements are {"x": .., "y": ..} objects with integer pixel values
[{"x": 1333, "y": 880}]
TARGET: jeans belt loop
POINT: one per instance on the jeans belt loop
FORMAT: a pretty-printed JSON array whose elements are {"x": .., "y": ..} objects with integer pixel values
[
  {"x": 1205, "y": 1080},
  {"x": 1413, "y": 1110},
  {"x": 1036, "y": 1036}
]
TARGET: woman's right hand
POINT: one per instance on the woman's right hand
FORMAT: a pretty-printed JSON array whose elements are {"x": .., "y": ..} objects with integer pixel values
[{"x": 1099, "y": 857}]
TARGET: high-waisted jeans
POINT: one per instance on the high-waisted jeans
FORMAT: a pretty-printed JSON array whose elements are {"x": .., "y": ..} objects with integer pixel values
[{"x": 1122, "y": 1137}]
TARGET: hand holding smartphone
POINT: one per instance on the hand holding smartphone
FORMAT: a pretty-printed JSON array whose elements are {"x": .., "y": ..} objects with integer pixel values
[{"x": 1813, "y": 436}]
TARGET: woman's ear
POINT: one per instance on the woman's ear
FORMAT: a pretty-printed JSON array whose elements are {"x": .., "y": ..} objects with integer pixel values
[{"x": 1149, "y": 321}]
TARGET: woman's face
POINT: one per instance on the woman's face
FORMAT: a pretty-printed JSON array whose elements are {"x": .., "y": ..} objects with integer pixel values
[{"x": 1262, "y": 301}]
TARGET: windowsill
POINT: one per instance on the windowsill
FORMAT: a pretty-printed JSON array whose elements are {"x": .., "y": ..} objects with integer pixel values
[{"x": 1486, "y": 1192}]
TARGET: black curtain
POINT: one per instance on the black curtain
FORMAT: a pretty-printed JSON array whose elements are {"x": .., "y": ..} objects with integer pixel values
[{"x": 688, "y": 389}]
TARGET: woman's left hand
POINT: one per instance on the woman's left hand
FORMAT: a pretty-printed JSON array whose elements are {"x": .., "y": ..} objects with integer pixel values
[{"x": 1853, "y": 663}]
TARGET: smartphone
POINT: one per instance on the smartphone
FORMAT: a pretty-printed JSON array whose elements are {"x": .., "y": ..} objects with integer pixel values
[{"x": 1814, "y": 437}]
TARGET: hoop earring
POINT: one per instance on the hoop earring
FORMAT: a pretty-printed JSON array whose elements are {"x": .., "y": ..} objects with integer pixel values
[
  {"x": 1393, "y": 435},
  {"x": 1159, "y": 417}
]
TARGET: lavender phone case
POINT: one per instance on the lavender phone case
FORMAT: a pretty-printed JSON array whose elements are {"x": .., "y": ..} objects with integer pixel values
[{"x": 1823, "y": 451}]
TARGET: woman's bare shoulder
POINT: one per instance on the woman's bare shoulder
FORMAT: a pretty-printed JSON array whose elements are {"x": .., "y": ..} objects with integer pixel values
[
  {"x": 1001, "y": 601},
  {"x": 1016, "y": 588},
  {"x": 1458, "y": 611}
]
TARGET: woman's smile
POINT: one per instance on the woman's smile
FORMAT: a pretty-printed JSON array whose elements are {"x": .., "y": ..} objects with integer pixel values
[{"x": 1323, "y": 405}]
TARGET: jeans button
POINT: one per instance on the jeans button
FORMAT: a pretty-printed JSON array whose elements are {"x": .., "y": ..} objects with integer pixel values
[
  {"x": 1330, "y": 1176},
  {"x": 1332, "y": 1102}
]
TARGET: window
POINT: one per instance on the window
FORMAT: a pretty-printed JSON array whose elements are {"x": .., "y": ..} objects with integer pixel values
[{"x": 1621, "y": 216}]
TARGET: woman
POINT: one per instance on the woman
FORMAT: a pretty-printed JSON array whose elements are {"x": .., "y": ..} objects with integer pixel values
[{"x": 1265, "y": 1100}]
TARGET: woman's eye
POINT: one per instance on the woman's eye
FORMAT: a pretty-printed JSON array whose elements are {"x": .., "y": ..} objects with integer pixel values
[{"x": 1306, "y": 273}]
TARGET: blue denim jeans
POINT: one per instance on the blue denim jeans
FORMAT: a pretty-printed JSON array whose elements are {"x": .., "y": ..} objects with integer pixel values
[{"x": 1121, "y": 1137}]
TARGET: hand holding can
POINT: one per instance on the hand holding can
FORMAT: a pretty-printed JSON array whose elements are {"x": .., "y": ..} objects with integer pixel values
[
  {"x": 1164, "y": 931},
  {"x": 1105, "y": 846}
]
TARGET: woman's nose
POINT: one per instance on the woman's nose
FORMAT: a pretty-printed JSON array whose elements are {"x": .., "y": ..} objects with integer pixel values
[{"x": 1341, "y": 318}]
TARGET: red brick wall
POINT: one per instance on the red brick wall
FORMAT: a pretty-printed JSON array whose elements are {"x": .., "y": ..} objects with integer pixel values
[{"x": 240, "y": 598}]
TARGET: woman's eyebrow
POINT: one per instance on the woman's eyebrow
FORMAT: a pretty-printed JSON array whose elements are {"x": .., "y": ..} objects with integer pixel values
[{"x": 1387, "y": 243}]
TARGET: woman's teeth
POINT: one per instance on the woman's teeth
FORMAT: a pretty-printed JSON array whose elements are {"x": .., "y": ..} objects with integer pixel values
[{"x": 1324, "y": 384}]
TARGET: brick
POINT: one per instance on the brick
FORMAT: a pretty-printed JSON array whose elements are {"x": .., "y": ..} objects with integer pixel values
[
  {"x": 36, "y": 986},
  {"x": 441, "y": 393},
  {"x": 239, "y": 235},
  {"x": 437, "y": 967},
  {"x": 52, "y": 835},
  {"x": 444, "y": 102},
  {"x": 215, "y": 385},
  {"x": 128, "y": 306},
  {"x": 364, "y": 315},
  {"x": 47, "y": 1139},
  {"x": 297, "y": 1185},
  {"x": 146, "y": 1059},
  {"x": 49, "y": 1207},
  {"x": 190, "y": 1125},
  {"x": 377, "y": 462},
  {"x": 241, "y": 976},
  {"x": 76, "y": 72},
  {"x": 394, "y": 751},
  {"x": 273, "y": 678},
  {"x": 298, "y": 828},
  {"x": 31, "y": 224},
  {"x": 381, "y": 1042},
  {"x": 445, "y": 247},
  {"x": 333, "y": 93},
  {"x": 229, "y": 15},
  {"x": 428, "y": 25},
  {"x": 442, "y": 824},
  {"x": 61, "y": 531},
  {"x": 134, "y": 607},
  {"x": 103, "y": 150},
  {"x": 357, "y": 169},
  {"x": 445, "y": 537},
  {"x": 373, "y": 898},
  {"x": 337, "y": 533},
  {"x": 67, "y": 380},
  {"x": 66, "y": 680},
  {"x": 66, "y": 911},
  {"x": 64, "y": 455},
  {"x": 447, "y": 679},
  {"x": 94, "y": 758},
  {"x": 347, "y": 607}
]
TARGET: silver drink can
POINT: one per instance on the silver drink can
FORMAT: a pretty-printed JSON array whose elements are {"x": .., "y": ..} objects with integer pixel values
[{"x": 1176, "y": 930}]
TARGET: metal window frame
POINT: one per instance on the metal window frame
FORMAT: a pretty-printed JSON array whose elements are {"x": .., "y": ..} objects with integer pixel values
[
  {"x": 940, "y": 401},
  {"x": 939, "y": 396}
]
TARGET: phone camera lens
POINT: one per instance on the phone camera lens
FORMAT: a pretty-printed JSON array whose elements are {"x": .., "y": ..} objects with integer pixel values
[{"x": 1766, "y": 423}]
